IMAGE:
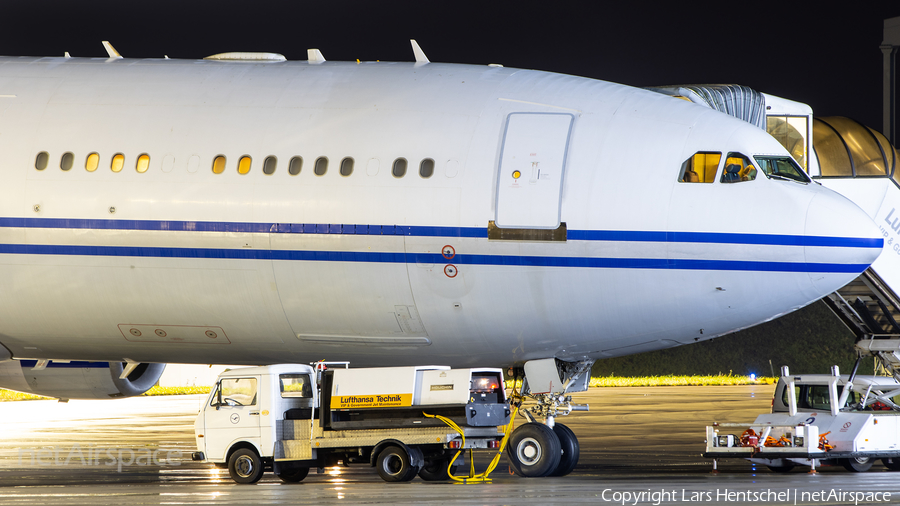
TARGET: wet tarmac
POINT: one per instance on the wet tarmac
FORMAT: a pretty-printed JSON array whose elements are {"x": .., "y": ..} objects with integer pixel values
[{"x": 639, "y": 446}]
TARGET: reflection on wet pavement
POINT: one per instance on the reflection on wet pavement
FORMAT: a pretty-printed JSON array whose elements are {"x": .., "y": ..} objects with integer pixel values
[{"x": 635, "y": 442}]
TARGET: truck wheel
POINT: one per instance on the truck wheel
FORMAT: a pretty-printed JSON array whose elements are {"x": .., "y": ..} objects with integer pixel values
[
  {"x": 393, "y": 465},
  {"x": 893, "y": 463},
  {"x": 533, "y": 450},
  {"x": 436, "y": 470},
  {"x": 786, "y": 468},
  {"x": 857, "y": 465},
  {"x": 570, "y": 450},
  {"x": 245, "y": 466},
  {"x": 294, "y": 475}
]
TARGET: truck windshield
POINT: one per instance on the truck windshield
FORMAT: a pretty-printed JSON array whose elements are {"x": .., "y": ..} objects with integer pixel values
[{"x": 781, "y": 167}]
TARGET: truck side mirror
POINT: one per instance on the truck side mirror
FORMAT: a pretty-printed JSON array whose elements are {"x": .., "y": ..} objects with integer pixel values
[{"x": 218, "y": 402}]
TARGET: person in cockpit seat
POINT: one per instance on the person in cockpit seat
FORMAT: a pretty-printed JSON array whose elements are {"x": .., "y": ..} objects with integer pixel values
[
  {"x": 732, "y": 173},
  {"x": 748, "y": 173}
]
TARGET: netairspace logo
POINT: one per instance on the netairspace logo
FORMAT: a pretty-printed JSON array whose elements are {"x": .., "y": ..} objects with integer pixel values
[
  {"x": 91, "y": 456},
  {"x": 727, "y": 495}
]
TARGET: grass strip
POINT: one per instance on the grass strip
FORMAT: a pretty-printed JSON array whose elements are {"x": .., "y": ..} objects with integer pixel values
[
  {"x": 12, "y": 395},
  {"x": 158, "y": 390},
  {"x": 673, "y": 381}
]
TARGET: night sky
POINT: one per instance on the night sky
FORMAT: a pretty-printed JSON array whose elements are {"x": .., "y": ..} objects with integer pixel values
[{"x": 827, "y": 57}]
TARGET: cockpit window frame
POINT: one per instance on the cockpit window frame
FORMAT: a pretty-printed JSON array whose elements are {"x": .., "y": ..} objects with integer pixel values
[
  {"x": 707, "y": 178},
  {"x": 744, "y": 172},
  {"x": 761, "y": 158}
]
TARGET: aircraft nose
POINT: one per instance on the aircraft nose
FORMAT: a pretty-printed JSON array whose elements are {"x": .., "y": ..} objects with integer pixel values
[{"x": 841, "y": 241}]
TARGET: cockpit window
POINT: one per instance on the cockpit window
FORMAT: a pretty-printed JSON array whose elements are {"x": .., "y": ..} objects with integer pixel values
[
  {"x": 781, "y": 167},
  {"x": 700, "y": 168},
  {"x": 738, "y": 168}
]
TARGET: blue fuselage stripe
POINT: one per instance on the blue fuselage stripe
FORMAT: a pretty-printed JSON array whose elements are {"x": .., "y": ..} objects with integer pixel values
[
  {"x": 420, "y": 231},
  {"x": 432, "y": 258},
  {"x": 429, "y": 258}
]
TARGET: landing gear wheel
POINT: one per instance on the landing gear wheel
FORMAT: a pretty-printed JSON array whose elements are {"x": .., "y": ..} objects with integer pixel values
[
  {"x": 294, "y": 475},
  {"x": 857, "y": 465},
  {"x": 570, "y": 450},
  {"x": 436, "y": 470},
  {"x": 893, "y": 463},
  {"x": 786, "y": 468},
  {"x": 393, "y": 465},
  {"x": 245, "y": 466},
  {"x": 533, "y": 450}
]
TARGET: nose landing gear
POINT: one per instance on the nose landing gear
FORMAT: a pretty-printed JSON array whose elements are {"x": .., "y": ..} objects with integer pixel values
[{"x": 547, "y": 449}]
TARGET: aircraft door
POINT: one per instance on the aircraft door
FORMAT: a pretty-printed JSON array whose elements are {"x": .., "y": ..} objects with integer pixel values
[{"x": 531, "y": 169}]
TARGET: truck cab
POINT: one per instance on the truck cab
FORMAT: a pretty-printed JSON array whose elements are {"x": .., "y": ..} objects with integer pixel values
[
  {"x": 812, "y": 393},
  {"x": 245, "y": 406}
]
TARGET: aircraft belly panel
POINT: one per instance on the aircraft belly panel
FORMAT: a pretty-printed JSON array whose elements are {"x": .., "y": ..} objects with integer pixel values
[
  {"x": 335, "y": 301},
  {"x": 70, "y": 303}
]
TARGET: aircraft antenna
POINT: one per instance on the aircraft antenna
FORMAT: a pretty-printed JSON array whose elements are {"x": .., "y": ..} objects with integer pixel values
[
  {"x": 110, "y": 50},
  {"x": 420, "y": 55},
  {"x": 314, "y": 56}
]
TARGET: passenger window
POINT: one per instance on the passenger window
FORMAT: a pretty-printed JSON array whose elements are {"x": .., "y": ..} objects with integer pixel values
[
  {"x": 67, "y": 161},
  {"x": 399, "y": 168},
  {"x": 295, "y": 165},
  {"x": 244, "y": 165},
  {"x": 143, "y": 163},
  {"x": 738, "y": 168},
  {"x": 236, "y": 392},
  {"x": 218, "y": 166},
  {"x": 40, "y": 162},
  {"x": 92, "y": 162},
  {"x": 269, "y": 165},
  {"x": 426, "y": 168},
  {"x": 700, "y": 168},
  {"x": 347, "y": 166},
  {"x": 118, "y": 161},
  {"x": 321, "y": 166},
  {"x": 295, "y": 385}
]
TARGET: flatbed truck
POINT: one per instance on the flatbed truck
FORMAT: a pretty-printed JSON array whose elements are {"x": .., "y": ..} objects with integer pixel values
[{"x": 288, "y": 418}]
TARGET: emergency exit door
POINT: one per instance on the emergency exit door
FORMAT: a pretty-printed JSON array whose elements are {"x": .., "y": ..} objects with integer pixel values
[{"x": 532, "y": 166}]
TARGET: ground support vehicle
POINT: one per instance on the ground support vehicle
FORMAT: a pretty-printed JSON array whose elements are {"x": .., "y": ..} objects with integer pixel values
[
  {"x": 818, "y": 419},
  {"x": 404, "y": 421}
]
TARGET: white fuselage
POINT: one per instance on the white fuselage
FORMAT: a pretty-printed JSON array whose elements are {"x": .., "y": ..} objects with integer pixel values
[{"x": 181, "y": 264}]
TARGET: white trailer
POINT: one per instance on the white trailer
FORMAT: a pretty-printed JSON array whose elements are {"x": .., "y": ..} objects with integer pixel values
[
  {"x": 288, "y": 418},
  {"x": 818, "y": 419}
]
